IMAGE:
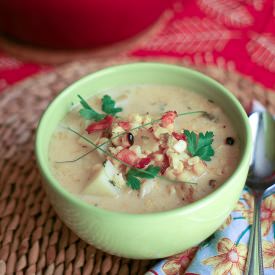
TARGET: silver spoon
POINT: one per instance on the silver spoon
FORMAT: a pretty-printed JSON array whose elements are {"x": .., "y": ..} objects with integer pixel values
[{"x": 261, "y": 181}]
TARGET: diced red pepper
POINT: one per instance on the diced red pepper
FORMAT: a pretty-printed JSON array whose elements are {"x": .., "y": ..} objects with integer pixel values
[
  {"x": 100, "y": 125},
  {"x": 125, "y": 125},
  {"x": 128, "y": 156},
  {"x": 179, "y": 136},
  {"x": 142, "y": 163},
  {"x": 168, "y": 118},
  {"x": 165, "y": 164}
]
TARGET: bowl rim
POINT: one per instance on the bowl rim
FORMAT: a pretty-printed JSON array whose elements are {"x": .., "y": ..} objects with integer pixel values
[{"x": 73, "y": 199}]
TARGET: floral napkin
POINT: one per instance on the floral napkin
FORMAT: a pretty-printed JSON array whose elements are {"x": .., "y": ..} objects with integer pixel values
[{"x": 225, "y": 251}]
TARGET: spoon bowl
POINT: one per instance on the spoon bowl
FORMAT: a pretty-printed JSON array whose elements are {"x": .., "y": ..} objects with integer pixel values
[{"x": 261, "y": 179}]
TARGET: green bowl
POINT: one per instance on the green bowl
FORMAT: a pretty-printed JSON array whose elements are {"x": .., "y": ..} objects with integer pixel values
[{"x": 151, "y": 235}]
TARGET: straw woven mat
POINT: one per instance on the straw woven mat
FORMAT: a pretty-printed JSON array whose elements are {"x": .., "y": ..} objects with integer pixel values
[{"x": 33, "y": 240}]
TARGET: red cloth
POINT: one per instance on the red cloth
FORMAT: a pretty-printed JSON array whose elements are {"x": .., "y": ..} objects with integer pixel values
[
  {"x": 13, "y": 70},
  {"x": 238, "y": 32}
]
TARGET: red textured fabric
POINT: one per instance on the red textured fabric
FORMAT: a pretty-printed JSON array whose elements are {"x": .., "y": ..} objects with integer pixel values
[
  {"x": 13, "y": 70},
  {"x": 239, "y": 32}
]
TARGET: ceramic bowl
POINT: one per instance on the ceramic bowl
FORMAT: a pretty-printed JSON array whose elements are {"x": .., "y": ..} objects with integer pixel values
[{"x": 152, "y": 235}]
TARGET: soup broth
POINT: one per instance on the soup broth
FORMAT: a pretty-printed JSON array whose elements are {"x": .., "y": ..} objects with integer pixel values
[{"x": 166, "y": 148}]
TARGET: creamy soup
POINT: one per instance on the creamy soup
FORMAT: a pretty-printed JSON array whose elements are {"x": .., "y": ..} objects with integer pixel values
[{"x": 158, "y": 148}]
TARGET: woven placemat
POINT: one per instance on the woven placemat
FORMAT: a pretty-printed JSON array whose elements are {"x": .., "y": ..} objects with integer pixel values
[{"x": 33, "y": 240}]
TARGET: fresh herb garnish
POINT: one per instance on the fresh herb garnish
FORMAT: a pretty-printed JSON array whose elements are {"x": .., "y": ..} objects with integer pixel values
[
  {"x": 126, "y": 132},
  {"x": 98, "y": 147},
  {"x": 108, "y": 106},
  {"x": 133, "y": 175},
  {"x": 200, "y": 145},
  {"x": 88, "y": 112}
]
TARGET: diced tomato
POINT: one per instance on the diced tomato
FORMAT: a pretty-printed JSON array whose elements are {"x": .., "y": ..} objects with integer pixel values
[
  {"x": 128, "y": 156},
  {"x": 179, "y": 136},
  {"x": 125, "y": 125},
  {"x": 100, "y": 125},
  {"x": 168, "y": 118},
  {"x": 165, "y": 164},
  {"x": 143, "y": 162}
]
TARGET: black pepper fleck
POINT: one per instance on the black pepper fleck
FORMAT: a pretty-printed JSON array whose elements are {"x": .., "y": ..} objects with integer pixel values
[
  {"x": 212, "y": 183},
  {"x": 112, "y": 182},
  {"x": 130, "y": 138},
  {"x": 210, "y": 117},
  {"x": 230, "y": 141}
]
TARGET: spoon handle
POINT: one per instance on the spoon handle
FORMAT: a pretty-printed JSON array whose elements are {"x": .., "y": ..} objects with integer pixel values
[{"x": 254, "y": 263}]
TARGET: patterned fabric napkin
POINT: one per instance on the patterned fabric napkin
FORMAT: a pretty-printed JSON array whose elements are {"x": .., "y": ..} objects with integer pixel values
[{"x": 225, "y": 251}]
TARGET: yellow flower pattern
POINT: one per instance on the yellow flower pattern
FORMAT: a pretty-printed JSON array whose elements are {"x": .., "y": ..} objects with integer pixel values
[
  {"x": 268, "y": 214},
  {"x": 177, "y": 265},
  {"x": 269, "y": 254},
  {"x": 226, "y": 223},
  {"x": 267, "y": 211},
  {"x": 247, "y": 211},
  {"x": 230, "y": 259},
  {"x": 228, "y": 245}
]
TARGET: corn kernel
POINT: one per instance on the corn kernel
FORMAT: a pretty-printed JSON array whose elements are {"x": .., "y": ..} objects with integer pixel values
[
  {"x": 194, "y": 160},
  {"x": 147, "y": 119},
  {"x": 177, "y": 165},
  {"x": 180, "y": 146},
  {"x": 115, "y": 150},
  {"x": 158, "y": 157},
  {"x": 159, "y": 131},
  {"x": 136, "y": 118},
  {"x": 117, "y": 130},
  {"x": 199, "y": 168},
  {"x": 186, "y": 176},
  {"x": 169, "y": 173},
  {"x": 136, "y": 149}
]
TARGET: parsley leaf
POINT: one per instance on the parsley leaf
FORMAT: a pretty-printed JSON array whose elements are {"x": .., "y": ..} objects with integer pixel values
[
  {"x": 133, "y": 182},
  {"x": 88, "y": 112},
  {"x": 133, "y": 175},
  {"x": 191, "y": 142},
  {"x": 200, "y": 145},
  {"x": 108, "y": 106}
]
